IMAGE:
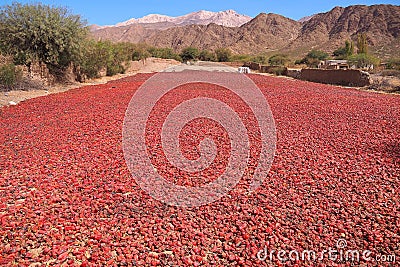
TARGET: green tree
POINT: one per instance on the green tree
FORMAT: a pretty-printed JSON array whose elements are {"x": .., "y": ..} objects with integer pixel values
[
  {"x": 9, "y": 76},
  {"x": 279, "y": 60},
  {"x": 97, "y": 56},
  {"x": 189, "y": 53},
  {"x": 340, "y": 53},
  {"x": 37, "y": 32},
  {"x": 317, "y": 54},
  {"x": 261, "y": 59},
  {"x": 349, "y": 46},
  {"x": 140, "y": 54},
  {"x": 119, "y": 57},
  {"x": 344, "y": 52},
  {"x": 362, "y": 44},
  {"x": 223, "y": 54},
  {"x": 362, "y": 60},
  {"x": 241, "y": 58},
  {"x": 313, "y": 58},
  {"x": 206, "y": 55},
  {"x": 166, "y": 53},
  {"x": 93, "y": 59}
]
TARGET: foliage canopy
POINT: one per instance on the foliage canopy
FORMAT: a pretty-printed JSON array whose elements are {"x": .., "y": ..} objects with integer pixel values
[{"x": 36, "y": 32}]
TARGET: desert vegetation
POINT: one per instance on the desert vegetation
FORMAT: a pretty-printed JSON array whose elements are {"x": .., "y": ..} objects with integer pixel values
[
  {"x": 48, "y": 35},
  {"x": 55, "y": 38}
]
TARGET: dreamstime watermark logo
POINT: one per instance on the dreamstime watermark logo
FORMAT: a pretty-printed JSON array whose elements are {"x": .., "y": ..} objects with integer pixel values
[
  {"x": 147, "y": 123},
  {"x": 340, "y": 254}
]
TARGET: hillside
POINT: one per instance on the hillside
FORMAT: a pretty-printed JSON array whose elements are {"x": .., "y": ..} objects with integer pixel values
[
  {"x": 271, "y": 32},
  {"x": 329, "y": 30}
]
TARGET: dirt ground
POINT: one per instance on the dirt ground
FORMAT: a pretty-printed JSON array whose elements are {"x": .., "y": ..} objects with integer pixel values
[
  {"x": 149, "y": 66},
  {"x": 387, "y": 84}
]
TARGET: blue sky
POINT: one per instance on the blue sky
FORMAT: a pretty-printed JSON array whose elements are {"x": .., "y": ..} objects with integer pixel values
[{"x": 112, "y": 11}]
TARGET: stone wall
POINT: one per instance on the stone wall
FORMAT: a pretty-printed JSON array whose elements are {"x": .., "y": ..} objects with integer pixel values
[
  {"x": 252, "y": 65},
  {"x": 279, "y": 70},
  {"x": 40, "y": 72},
  {"x": 294, "y": 73},
  {"x": 340, "y": 77}
]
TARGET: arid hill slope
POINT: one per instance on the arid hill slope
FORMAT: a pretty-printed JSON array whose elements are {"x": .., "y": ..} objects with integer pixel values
[{"x": 271, "y": 32}]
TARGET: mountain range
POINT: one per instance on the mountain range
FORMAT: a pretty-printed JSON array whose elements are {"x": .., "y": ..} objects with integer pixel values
[
  {"x": 266, "y": 33},
  {"x": 228, "y": 18}
]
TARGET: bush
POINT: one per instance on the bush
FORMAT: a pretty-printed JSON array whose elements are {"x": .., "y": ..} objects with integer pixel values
[
  {"x": 261, "y": 59},
  {"x": 279, "y": 60},
  {"x": 138, "y": 55},
  {"x": 310, "y": 62},
  {"x": 9, "y": 75},
  {"x": 166, "y": 53},
  {"x": 362, "y": 60},
  {"x": 118, "y": 58},
  {"x": 317, "y": 54},
  {"x": 190, "y": 53},
  {"x": 93, "y": 60},
  {"x": 340, "y": 53},
  {"x": 278, "y": 71},
  {"x": 344, "y": 52},
  {"x": 313, "y": 58},
  {"x": 97, "y": 56},
  {"x": 223, "y": 54},
  {"x": 206, "y": 55},
  {"x": 241, "y": 58},
  {"x": 50, "y": 35},
  {"x": 393, "y": 63}
]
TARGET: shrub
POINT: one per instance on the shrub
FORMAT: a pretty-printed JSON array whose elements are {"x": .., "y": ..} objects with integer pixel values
[
  {"x": 279, "y": 60},
  {"x": 9, "y": 75},
  {"x": 223, "y": 54},
  {"x": 138, "y": 55},
  {"x": 317, "y": 54},
  {"x": 93, "y": 59},
  {"x": 97, "y": 56},
  {"x": 278, "y": 71},
  {"x": 166, "y": 53},
  {"x": 313, "y": 58},
  {"x": 189, "y": 53},
  {"x": 261, "y": 59},
  {"x": 241, "y": 58},
  {"x": 118, "y": 58},
  {"x": 50, "y": 35},
  {"x": 393, "y": 63},
  {"x": 344, "y": 52},
  {"x": 362, "y": 60},
  {"x": 310, "y": 62},
  {"x": 206, "y": 55}
]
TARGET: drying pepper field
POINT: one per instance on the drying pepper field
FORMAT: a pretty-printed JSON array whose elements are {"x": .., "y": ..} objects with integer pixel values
[{"x": 67, "y": 197}]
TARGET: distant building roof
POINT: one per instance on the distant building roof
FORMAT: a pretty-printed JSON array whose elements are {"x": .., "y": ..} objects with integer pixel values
[{"x": 334, "y": 61}]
